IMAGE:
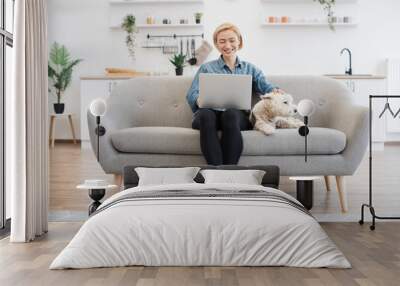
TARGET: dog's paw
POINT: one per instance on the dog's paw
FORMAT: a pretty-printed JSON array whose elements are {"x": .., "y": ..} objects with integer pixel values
[
  {"x": 282, "y": 123},
  {"x": 288, "y": 122},
  {"x": 265, "y": 128},
  {"x": 268, "y": 131},
  {"x": 297, "y": 123}
]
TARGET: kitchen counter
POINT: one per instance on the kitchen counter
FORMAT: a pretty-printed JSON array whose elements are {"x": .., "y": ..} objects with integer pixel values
[
  {"x": 355, "y": 76},
  {"x": 113, "y": 77}
]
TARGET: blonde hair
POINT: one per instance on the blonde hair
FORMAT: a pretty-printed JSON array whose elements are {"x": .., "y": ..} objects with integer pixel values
[{"x": 226, "y": 27}]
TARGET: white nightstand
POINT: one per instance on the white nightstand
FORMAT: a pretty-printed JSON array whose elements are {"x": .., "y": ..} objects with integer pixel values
[{"x": 96, "y": 192}]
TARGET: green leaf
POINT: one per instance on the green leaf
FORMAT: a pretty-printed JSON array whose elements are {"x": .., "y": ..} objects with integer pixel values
[
  {"x": 60, "y": 67},
  {"x": 129, "y": 22},
  {"x": 178, "y": 60},
  {"x": 59, "y": 55},
  {"x": 51, "y": 72},
  {"x": 73, "y": 63},
  {"x": 57, "y": 85}
]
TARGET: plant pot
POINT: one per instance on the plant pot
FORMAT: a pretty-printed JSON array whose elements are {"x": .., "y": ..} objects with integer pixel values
[
  {"x": 59, "y": 108},
  {"x": 198, "y": 21},
  {"x": 179, "y": 71}
]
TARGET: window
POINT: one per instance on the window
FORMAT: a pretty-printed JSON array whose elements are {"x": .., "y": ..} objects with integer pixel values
[
  {"x": 9, "y": 19},
  {"x": 6, "y": 63}
]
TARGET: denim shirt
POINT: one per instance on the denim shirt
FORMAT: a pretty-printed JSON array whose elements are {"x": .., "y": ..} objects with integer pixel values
[{"x": 260, "y": 84}]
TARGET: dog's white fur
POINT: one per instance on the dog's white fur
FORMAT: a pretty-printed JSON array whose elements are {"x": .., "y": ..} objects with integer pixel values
[{"x": 274, "y": 110}]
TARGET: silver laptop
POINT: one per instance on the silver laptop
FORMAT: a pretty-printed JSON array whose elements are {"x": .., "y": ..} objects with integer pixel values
[{"x": 221, "y": 91}]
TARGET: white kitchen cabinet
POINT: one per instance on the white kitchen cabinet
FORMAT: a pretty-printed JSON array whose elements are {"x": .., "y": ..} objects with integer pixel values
[
  {"x": 393, "y": 78},
  {"x": 90, "y": 90},
  {"x": 361, "y": 89},
  {"x": 393, "y": 124}
]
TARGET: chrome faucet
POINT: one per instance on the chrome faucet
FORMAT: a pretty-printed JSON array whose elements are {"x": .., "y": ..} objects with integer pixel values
[{"x": 349, "y": 71}]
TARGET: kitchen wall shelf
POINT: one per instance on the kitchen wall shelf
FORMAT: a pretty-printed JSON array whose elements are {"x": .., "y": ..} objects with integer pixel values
[
  {"x": 300, "y": 24},
  {"x": 306, "y": 1},
  {"x": 173, "y": 10},
  {"x": 148, "y": 26},
  {"x": 308, "y": 13},
  {"x": 116, "y": 2}
]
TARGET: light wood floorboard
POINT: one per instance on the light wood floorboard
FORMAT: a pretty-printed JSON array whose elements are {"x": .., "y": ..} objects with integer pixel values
[{"x": 375, "y": 257}]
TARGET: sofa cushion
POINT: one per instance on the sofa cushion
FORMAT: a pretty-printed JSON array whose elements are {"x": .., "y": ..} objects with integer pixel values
[
  {"x": 157, "y": 140},
  {"x": 178, "y": 140},
  {"x": 321, "y": 141}
]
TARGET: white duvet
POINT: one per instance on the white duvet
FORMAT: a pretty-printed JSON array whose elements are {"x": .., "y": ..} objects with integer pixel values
[{"x": 200, "y": 231}]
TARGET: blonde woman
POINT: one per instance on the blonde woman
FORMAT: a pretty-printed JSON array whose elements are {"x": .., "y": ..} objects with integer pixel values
[{"x": 228, "y": 40}]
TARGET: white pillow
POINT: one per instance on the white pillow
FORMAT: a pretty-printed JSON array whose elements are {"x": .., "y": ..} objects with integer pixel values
[
  {"x": 248, "y": 177},
  {"x": 165, "y": 176}
]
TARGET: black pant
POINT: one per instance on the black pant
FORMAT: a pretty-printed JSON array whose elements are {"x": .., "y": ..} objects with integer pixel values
[{"x": 230, "y": 122}]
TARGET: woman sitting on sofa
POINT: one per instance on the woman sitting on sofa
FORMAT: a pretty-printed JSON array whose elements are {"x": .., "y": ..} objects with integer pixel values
[{"x": 228, "y": 40}]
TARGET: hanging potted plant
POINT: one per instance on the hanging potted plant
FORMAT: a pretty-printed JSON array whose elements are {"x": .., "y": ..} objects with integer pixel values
[
  {"x": 129, "y": 26},
  {"x": 197, "y": 17},
  {"x": 178, "y": 60},
  {"x": 60, "y": 67},
  {"x": 328, "y": 7}
]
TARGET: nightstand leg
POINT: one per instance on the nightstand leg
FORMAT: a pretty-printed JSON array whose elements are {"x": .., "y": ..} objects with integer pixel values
[
  {"x": 96, "y": 195},
  {"x": 304, "y": 192},
  {"x": 93, "y": 207}
]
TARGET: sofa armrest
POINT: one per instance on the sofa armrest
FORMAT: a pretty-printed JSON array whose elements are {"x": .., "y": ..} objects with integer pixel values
[{"x": 353, "y": 120}]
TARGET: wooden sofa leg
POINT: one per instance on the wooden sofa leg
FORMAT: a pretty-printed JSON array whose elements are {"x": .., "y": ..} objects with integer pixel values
[
  {"x": 327, "y": 183},
  {"x": 118, "y": 179},
  {"x": 341, "y": 187}
]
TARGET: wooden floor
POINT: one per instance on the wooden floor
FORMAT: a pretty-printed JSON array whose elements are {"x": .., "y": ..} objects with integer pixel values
[
  {"x": 375, "y": 257},
  {"x": 70, "y": 166}
]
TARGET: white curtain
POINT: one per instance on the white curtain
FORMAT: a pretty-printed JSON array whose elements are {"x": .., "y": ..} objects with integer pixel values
[{"x": 28, "y": 121}]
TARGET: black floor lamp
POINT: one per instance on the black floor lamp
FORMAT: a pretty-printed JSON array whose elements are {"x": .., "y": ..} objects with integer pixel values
[
  {"x": 305, "y": 108},
  {"x": 304, "y": 185},
  {"x": 98, "y": 108}
]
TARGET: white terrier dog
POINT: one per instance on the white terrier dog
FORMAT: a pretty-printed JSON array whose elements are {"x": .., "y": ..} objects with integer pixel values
[{"x": 274, "y": 110}]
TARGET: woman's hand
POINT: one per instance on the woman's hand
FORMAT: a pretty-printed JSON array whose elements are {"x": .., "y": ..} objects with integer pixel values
[{"x": 278, "y": 90}]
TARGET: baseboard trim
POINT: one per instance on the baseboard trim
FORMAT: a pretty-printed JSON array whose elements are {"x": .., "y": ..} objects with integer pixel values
[{"x": 66, "y": 141}]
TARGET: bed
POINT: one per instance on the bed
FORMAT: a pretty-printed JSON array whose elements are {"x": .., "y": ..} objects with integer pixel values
[{"x": 197, "y": 224}]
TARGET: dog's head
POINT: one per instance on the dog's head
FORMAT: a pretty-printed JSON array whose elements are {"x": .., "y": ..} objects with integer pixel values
[{"x": 278, "y": 104}]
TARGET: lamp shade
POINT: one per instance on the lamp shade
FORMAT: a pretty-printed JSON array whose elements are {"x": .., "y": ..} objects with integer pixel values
[
  {"x": 306, "y": 107},
  {"x": 98, "y": 107}
]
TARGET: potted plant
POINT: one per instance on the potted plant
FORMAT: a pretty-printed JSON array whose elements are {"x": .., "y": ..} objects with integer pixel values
[
  {"x": 328, "y": 7},
  {"x": 197, "y": 17},
  {"x": 129, "y": 26},
  {"x": 60, "y": 67},
  {"x": 178, "y": 60}
]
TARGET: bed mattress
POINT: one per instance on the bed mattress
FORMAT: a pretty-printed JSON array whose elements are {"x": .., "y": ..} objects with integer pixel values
[{"x": 201, "y": 225}]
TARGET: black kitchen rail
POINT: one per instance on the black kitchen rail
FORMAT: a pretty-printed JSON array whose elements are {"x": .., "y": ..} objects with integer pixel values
[{"x": 174, "y": 36}]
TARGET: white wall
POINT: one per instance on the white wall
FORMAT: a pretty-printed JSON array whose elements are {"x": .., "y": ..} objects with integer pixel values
[{"x": 82, "y": 25}]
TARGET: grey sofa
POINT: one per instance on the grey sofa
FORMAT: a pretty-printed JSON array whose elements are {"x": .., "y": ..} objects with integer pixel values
[{"x": 148, "y": 122}]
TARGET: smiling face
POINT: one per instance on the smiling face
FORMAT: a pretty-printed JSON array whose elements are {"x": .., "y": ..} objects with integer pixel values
[{"x": 228, "y": 43}]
